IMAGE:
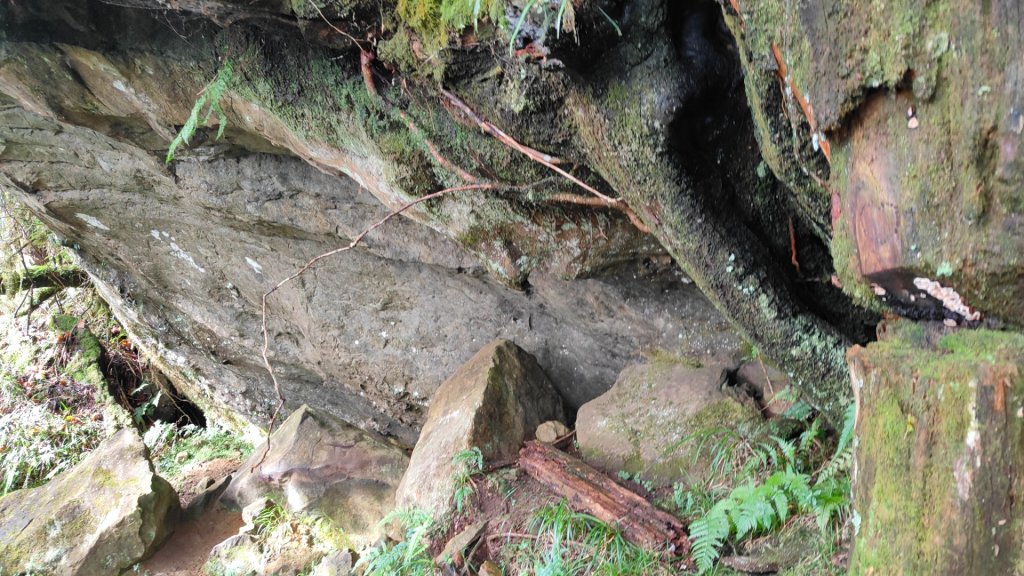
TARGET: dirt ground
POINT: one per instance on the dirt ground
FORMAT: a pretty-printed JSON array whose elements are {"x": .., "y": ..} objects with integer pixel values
[{"x": 189, "y": 547}]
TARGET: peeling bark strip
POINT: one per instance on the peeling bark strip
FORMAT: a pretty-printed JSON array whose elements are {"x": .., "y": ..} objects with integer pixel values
[{"x": 597, "y": 494}]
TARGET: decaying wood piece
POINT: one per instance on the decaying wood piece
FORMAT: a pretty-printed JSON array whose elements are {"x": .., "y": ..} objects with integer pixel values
[
  {"x": 43, "y": 277},
  {"x": 940, "y": 451},
  {"x": 592, "y": 491}
]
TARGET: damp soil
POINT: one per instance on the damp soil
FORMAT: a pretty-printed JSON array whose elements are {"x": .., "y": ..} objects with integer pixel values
[{"x": 189, "y": 547}]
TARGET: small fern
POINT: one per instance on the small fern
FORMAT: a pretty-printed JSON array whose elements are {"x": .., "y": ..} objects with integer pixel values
[
  {"x": 843, "y": 457},
  {"x": 208, "y": 99},
  {"x": 410, "y": 557},
  {"x": 468, "y": 463},
  {"x": 763, "y": 502},
  {"x": 753, "y": 509}
]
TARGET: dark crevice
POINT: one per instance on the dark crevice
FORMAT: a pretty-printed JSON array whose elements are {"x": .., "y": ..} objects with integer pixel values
[
  {"x": 711, "y": 136},
  {"x": 144, "y": 391}
]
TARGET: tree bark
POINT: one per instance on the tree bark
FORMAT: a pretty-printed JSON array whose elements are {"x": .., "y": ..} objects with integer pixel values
[
  {"x": 597, "y": 494},
  {"x": 940, "y": 453}
]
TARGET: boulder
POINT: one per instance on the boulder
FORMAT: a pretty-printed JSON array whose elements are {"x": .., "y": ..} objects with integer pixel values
[
  {"x": 493, "y": 402},
  {"x": 318, "y": 464},
  {"x": 277, "y": 547},
  {"x": 550, "y": 431},
  {"x": 239, "y": 555},
  {"x": 335, "y": 564},
  {"x": 101, "y": 517},
  {"x": 640, "y": 425}
]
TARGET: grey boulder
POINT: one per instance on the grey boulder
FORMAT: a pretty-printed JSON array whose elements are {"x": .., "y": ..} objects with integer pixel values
[
  {"x": 101, "y": 517},
  {"x": 493, "y": 402},
  {"x": 318, "y": 464}
]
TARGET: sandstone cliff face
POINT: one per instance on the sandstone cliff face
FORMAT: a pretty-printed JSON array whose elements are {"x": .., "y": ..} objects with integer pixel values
[
  {"x": 743, "y": 178},
  {"x": 185, "y": 258}
]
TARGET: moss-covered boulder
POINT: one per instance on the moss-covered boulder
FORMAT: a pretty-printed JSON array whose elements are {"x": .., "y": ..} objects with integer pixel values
[
  {"x": 317, "y": 464},
  {"x": 99, "y": 518},
  {"x": 643, "y": 426},
  {"x": 493, "y": 403},
  {"x": 940, "y": 452}
]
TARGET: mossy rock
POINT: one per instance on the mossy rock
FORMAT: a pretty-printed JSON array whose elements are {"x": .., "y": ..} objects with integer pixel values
[
  {"x": 642, "y": 425},
  {"x": 99, "y": 518}
]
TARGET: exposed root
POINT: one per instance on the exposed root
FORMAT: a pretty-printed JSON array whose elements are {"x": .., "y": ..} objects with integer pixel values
[
  {"x": 543, "y": 159},
  {"x": 805, "y": 106},
  {"x": 451, "y": 167}
]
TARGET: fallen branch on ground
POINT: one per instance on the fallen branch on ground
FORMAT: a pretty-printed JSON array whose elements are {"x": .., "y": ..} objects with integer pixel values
[{"x": 595, "y": 493}]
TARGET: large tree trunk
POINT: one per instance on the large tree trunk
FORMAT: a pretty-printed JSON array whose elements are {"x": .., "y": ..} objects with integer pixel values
[{"x": 940, "y": 454}]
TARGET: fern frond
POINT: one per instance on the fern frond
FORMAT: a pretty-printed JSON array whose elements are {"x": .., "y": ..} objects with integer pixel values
[
  {"x": 706, "y": 536},
  {"x": 849, "y": 423},
  {"x": 211, "y": 94}
]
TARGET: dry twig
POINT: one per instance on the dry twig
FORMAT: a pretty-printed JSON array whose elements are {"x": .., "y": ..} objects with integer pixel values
[{"x": 313, "y": 262}]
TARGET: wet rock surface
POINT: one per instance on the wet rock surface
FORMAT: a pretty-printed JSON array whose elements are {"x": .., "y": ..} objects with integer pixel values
[{"x": 99, "y": 518}]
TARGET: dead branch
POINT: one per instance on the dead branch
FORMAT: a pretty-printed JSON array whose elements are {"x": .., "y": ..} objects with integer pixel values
[
  {"x": 597, "y": 202},
  {"x": 46, "y": 277},
  {"x": 588, "y": 489},
  {"x": 313, "y": 262}
]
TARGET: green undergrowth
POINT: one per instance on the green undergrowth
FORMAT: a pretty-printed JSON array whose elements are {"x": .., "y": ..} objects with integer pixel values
[
  {"x": 467, "y": 464},
  {"x": 411, "y": 556},
  {"x": 173, "y": 449},
  {"x": 434, "y": 20},
  {"x": 51, "y": 415},
  {"x": 762, "y": 478},
  {"x": 566, "y": 542}
]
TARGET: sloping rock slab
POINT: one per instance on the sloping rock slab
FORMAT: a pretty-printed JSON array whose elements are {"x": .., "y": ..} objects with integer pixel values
[
  {"x": 493, "y": 402},
  {"x": 319, "y": 464},
  {"x": 640, "y": 425},
  {"x": 101, "y": 517}
]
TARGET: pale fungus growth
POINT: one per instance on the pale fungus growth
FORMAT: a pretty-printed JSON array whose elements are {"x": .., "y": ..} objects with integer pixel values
[{"x": 949, "y": 298}]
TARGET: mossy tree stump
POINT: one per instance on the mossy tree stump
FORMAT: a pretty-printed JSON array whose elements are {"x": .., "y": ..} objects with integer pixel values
[{"x": 940, "y": 455}]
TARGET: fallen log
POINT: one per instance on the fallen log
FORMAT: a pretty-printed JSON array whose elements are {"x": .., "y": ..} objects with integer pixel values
[
  {"x": 595, "y": 493},
  {"x": 43, "y": 277}
]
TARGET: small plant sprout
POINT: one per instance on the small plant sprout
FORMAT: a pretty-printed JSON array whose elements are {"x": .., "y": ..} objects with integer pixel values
[
  {"x": 208, "y": 99},
  {"x": 468, "y": 463}
]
